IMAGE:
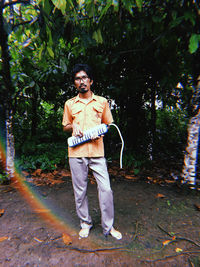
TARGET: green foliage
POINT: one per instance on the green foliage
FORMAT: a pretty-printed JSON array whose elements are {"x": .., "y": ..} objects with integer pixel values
[
  {"x": 171, "y": 132},
  {"x": 3, "y": 177},
  {"x": 133, "y": 162},
  {"x": 137, "y": 49},
  {"x": 194, "y": 43},
  {"x": 42, "y": 156}
]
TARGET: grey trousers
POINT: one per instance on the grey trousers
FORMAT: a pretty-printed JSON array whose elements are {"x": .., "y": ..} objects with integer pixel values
[{"x": 79, "y": 171}]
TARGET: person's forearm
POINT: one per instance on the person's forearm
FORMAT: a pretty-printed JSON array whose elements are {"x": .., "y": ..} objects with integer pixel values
[
  {"x": 73, "y": 127},
  {"x": 68, "y": 128}
]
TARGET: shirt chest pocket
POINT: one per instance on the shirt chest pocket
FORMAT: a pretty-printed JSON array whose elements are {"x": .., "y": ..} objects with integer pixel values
[
  {"x": 77, "y": 114},
  {"x": 97, "y": 113}
]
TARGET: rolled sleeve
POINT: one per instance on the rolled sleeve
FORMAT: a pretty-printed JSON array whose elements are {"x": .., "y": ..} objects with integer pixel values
[
  {"x": 67, "y": 117},
  {"x": 107, "y": 115}
]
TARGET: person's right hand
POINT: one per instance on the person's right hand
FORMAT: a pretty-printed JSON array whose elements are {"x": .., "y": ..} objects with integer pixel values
[{"x": 77, "y": 131}]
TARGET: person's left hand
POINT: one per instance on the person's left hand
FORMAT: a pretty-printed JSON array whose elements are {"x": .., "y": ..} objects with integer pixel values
[{"x": 95, "y": 136}]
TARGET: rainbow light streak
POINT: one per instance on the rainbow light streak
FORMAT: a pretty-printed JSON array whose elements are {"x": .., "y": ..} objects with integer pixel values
[
  {"x": 38, "y": 205},
  {"x": 34, "y": 199}
]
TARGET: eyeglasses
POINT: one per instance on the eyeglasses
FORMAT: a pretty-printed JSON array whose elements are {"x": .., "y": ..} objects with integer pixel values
[{"x": 83, "y": 78}]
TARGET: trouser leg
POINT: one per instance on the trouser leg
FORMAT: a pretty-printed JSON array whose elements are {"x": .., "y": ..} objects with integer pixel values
[
  {"x": 100, "y": 172},
  {"x": 79, "y": 172}
]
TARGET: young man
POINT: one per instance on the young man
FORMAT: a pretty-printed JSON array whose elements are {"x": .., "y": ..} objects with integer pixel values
[{"x": 81, "y": 113}]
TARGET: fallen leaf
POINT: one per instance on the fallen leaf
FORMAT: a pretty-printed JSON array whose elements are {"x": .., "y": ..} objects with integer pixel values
[
  {"x": 55, "y": 172},
  {"x": 65, "y": 173},
  {"x": 130, "y": 177},
  {"x": 24, "y": 173},
  {"x": 38, "y": 240},
  {"x": 37, "y": 172},
  {"x": 160, "y": 195},
  {"x": 67, "y": 239},
  {"x": 170, "y": 181},
  {"x": 166, "y": 242},
  {"x": 3, "y": 238},
  {"x": 197, "y": 206},
  {"x": 178, "y": 250},
  {"x": 1, "y": 212}
]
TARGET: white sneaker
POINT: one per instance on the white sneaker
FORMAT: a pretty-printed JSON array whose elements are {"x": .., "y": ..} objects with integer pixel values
[
  {"x": 116, "y": 234},
  {"x": 84, "y": 232}
]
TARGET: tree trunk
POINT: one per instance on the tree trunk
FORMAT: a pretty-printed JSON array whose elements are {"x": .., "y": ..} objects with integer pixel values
[
  {"x": 34, "y": 112},
  {"x": 191, "y": 156},
  {"x": 7, "y": 93},
  {"x": 153, "y": 124},
  {"x": 10, "y": 149}
]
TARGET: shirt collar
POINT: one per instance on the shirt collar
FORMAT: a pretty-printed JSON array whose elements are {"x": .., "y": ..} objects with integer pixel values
[{"x": 94, "y": 97}]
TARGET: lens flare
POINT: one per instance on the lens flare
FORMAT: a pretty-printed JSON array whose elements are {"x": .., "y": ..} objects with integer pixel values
[
  {"x": 46, "y": 210},
  {"x": 34, "y": 198}
]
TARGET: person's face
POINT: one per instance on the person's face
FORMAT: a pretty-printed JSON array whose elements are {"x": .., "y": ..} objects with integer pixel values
[{"x": 82, "y": 82}]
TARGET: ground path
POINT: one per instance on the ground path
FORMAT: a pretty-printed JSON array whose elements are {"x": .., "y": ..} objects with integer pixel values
[{"x": 160, "y": 227}]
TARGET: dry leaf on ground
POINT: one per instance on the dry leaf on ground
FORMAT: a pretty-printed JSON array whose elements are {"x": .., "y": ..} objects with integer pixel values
[
  {"x": 67, "y": 239},
  {"x": 170, "y": 181},
  {"x": 1, "y": 212},
  {"x": 197, "y": 206},
  {"x": 37, "y": 172},
  {"x": 130, "y": 177},
  {"x": 3, "y": 238},
  {"x": 160, "y": 195},
  {"x": 166, "y": 242}
]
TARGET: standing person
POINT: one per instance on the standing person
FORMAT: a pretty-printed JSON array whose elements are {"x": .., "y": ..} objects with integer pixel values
[{"x": 85, "y": 111}]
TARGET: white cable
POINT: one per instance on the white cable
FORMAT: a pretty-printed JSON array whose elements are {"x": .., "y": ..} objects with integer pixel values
[{"x": 122, "y": 147}]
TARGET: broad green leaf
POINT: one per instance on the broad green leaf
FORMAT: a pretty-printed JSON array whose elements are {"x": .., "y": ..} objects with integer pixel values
[
  {"x": 190, "y": 16},
  {"x": 97, "y": 36},
  {"x": 50, "y": 41},
  {"x": 105, "y": 9},
  {"x": 63, "y": 65},
  {"x": 139, "y": 4},
  {"x": 40, "y": 52},
  {"x": 115, "y": 4},
  {"x": 128, "y": 5},
  {"x": 18, "y": 34},
  {"x": 51, "y": 53},
  {"x": 32, "y": 84},
  {"x": 60, "y": 4},
  {"x": 194, "y": 43},
  {"x": 100, "y": 38},
  {"x": 47, "y": 7},
  {"x": 90, "y": 8}
]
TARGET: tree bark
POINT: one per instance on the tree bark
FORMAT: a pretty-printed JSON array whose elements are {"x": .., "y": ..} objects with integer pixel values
[
  {"x": 34, "y": 112},
  {"x": 7, "y": 92},
  {"x": 189, "y": 171},
  {"x": 153, "y": 123}
]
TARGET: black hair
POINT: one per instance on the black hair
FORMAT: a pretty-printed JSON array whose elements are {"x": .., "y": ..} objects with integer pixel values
[{"x": 82, "y": 67}]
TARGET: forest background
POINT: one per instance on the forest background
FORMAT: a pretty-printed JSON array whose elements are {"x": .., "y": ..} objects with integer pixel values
[{"x": 145, "y": 57}]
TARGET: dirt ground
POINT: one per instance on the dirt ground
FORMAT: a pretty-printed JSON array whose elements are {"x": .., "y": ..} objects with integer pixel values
[{"x": 160, "y": 224}]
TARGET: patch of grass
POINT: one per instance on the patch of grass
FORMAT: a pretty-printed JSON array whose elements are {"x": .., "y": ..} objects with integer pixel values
[
  {"x": 173, "y": 208},
  {"x": 3, "y": 177}
]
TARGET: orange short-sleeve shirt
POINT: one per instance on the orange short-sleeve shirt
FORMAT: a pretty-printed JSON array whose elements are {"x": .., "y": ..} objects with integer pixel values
[{"x": 87, "y": 115}]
